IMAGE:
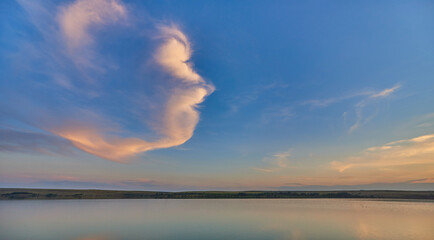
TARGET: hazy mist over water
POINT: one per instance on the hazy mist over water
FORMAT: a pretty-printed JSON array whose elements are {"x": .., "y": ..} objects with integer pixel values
[{"x": 216, "y": 219}]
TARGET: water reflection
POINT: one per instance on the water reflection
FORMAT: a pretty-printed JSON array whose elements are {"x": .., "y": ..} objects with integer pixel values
[
  {"x": 93, "y": 237},
  {"x": 216, "y": 219}
]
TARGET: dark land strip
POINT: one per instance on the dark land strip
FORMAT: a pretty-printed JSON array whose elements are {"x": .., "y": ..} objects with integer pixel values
[{"x": 21, "y": 193}]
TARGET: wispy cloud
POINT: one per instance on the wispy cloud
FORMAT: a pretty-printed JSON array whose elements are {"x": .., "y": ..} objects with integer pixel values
[
  {"x": 275, "y": 162},
  {"x": 77, "y": 18},
  {"x": 412, "y": 185},
  {"x": 369, "y": 94},
  {"x": 425, "y": 121},
  {"x": 251, "y": 94},
  {"x": 405, "y": 163},
  {"x": 409, "y": 158},
  {"x": 330, "y": 101},
  {"x": 31, "y": 142},
  {"x": 360, "y": 119},
  {"x": 386, "y": 92},
  {"x": 282, "y": 114},
  {"x": 368, "y": 98}
]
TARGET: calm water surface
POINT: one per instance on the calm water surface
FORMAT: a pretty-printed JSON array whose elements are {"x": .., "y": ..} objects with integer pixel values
[{"x": 216, "y": 219}]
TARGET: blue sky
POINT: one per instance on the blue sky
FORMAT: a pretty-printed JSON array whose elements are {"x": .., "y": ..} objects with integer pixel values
[{"x": 180, "y": 95}]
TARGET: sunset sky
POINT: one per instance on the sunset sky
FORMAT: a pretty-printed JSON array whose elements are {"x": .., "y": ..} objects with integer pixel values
[{"x": 217, "y": 95}]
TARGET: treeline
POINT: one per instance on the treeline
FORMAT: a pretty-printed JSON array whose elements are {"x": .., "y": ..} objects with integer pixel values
[{"x": 16, "y": 194}]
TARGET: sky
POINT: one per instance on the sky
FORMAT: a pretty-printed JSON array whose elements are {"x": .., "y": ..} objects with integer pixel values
[{"x": 217, "y": 95}]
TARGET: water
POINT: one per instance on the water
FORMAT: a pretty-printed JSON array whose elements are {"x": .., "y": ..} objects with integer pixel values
[{"x": 216, "y": 219}]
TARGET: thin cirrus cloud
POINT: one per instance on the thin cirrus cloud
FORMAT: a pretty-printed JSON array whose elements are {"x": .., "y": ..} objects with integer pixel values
[
  {"x": 369, "y": 97},
  {"x": 397, "y": 163},
  {"x": 23, "y": 141},
  {"x": 369, "y": 94},
  {"x": 402, "y": 160},
  {"x": 386, "y": 92},
  {"x": 361, "y": 120},
  {"x": 76, "y": 19},
  {"x": 175, "y": 119},
  {"x": 276, "y": 162}
]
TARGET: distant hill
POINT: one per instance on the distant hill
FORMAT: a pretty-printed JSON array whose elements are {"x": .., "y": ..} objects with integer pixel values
[{"x": 19, "y": 193}]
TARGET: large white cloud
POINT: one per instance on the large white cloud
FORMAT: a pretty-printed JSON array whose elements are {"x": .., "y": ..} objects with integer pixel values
[{"x": 94, "y": 130}]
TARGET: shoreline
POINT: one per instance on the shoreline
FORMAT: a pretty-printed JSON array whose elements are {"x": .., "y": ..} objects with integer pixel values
[{"x": 61, "y": 194}]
